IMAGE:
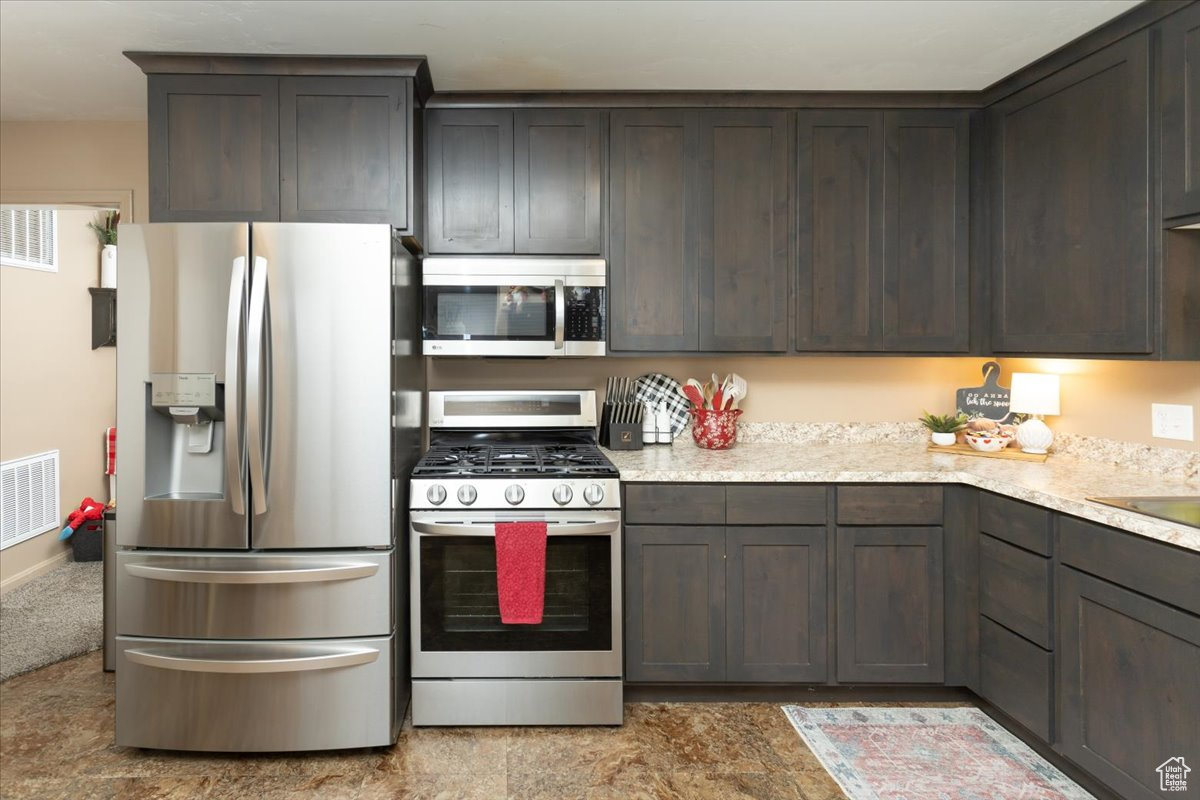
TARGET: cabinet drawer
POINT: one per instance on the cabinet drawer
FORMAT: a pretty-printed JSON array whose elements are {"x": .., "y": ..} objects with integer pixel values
[
  {"x": 674, "y": 504},
  {"x": 1014, "y": 589},
  {"x": 1161, "y": 571},
  {"x": 775, "y": 505},
  {"x": 252, "y": 596},
  {"x": 1015, "y": 522},
  {"x": 269, "y": 696},
  {"x": 1015, "y": 676},
  {"x": 889, "y": 505}
]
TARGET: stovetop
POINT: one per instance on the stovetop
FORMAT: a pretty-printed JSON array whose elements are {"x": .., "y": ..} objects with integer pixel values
[{"x": 484, "y": 459}]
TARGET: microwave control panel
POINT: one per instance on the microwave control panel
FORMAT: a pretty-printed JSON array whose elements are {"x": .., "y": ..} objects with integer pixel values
[{"x": 585, "y": 313}]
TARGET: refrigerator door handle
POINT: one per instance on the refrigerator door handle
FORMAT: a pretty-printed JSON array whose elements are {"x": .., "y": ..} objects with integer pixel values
[
  {"x": 324, "y": 572},
  {"x": 256, "y": 377},
  {"x": 233, "y": 399},
  {"x": 560, "y": 314},
  {"x": 310, "y": 658}
]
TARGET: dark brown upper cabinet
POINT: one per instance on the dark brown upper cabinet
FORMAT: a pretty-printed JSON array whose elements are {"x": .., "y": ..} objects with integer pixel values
[
  {"x": 214, "y": 148},
  {"x": 882, "y": 231},
  {"x": 503, "y": 182},
  {"x": 556, "y": 182},
  {"x": 744, "y": 231},
  {"x": 293, "y": 138},
  {"x": 1181, "y": 113},
  {"x": 699, "y": 231},
  {"x": 470, "y": 181},
  {"x": 653, "y": 230},
  {"x": 926, "y": 175},
  {"x": 1072, "y": 215},
  {"x": 344, "y": 154}
]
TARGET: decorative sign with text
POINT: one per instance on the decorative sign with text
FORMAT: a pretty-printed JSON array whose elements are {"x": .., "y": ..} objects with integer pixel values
[{"x": 989, "y": 401}]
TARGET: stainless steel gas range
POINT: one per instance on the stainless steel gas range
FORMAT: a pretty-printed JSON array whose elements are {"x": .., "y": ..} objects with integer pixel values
[{"x": 515, "y": 456}]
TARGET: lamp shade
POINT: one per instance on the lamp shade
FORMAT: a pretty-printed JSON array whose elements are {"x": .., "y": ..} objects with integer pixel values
[{"x": 1033, "y": 393}]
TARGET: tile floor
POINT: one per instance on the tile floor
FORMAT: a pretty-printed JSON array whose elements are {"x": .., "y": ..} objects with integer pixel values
[{"x": 56, "y": 731}]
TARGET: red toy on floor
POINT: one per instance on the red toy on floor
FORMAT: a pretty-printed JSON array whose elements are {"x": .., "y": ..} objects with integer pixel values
[{"x": 88, "y": 509}]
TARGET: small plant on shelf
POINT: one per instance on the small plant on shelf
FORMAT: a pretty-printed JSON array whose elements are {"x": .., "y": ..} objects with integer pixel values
[
  {"x": 105, "y": 227},
  {"x": 943, "y": 427}
]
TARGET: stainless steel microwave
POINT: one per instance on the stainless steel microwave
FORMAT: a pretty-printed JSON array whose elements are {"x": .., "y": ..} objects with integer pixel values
[{"x": 514, "y": 306}]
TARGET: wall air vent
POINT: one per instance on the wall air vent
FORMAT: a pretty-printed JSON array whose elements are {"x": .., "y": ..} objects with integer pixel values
[{"x": 28, "y": 497}]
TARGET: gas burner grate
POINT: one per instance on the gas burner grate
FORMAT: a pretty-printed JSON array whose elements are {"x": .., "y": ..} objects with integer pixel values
[{"x": 552, "y": 459}]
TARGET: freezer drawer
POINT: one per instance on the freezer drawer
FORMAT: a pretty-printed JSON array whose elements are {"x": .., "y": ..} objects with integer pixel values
[
  {"x": 254, "y": 596},
  {"x": 255, "y": 696}
]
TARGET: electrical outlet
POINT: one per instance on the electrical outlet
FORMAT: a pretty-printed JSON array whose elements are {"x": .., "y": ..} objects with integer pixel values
[{"x": 1172, "y": 421}]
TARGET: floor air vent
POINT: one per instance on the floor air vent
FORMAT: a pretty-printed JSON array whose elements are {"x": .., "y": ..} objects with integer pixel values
[{"x": 28, "y": 497}]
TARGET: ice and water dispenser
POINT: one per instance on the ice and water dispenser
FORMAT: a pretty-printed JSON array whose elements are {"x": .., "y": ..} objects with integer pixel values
[{"x": 185, "y": 441}]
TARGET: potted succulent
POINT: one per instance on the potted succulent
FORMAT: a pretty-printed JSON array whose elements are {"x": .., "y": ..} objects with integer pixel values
[
  {"x": 105, "y": 228},
  {"x": 942, "y": 428}
]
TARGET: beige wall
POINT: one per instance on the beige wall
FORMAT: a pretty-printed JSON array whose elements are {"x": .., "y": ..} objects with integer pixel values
[
  {"x": 75, "y": 156},
  {"x": 1098, "y": 398},
  {"x": 56, "y": 393},
  {"x": 1112, "y": 398}
]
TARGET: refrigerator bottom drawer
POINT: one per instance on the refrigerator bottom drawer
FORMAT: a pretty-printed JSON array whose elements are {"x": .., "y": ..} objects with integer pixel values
[{"x": 229, "y": 696}]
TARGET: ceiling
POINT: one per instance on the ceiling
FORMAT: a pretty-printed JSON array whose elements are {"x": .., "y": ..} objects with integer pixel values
[{"x": 61, "y": 60}]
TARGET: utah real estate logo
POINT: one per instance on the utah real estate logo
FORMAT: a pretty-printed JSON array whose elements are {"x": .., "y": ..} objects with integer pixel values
[{"x": 1172, "y": 775}]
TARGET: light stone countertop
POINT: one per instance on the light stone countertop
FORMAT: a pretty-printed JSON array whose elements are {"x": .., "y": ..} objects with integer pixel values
[{"x": 1062, "y": 483}]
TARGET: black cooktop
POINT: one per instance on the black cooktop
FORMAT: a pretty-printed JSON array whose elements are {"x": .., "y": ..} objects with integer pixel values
[{"x": 505, "y": 458}]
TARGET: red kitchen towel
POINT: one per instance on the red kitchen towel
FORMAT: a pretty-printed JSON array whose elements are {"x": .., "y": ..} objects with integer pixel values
[
  {"x": 110, "y": 451},
  {"x": 521, "y": 571}
]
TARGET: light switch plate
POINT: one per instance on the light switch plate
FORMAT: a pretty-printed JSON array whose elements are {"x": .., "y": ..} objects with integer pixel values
[{"x": 1169, "y": 421}]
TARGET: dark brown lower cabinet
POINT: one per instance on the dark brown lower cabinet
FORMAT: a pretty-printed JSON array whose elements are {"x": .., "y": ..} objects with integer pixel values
[
  {"x": 890, "y": 605},
  {"x": 674, "y": 603},
  {"x": 1016, "y": 676},
  {"x": 1129, "y": 684},
  {"x": 775, "y": 616}
]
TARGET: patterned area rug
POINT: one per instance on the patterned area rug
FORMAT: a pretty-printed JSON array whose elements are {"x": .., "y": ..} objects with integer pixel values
[{"x": 927, "y": 754}]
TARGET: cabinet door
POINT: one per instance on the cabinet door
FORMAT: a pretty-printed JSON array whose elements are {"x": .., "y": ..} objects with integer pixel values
[
  {"x": 675, "y": 603},
  {"x": 344, "y": 150},
  {"x": 1072, "y": 208},
  {"x": 556, "y": 182},
  {"x": 744, "y": 231},
  {"x": 1129, "y": 686},
  {"x": 925, "y": 252},
  {"x": 653, "y": 234},
  {"x": 839, "y": 216},
  {"x": 1181, "y": 113},
  {"x": 775, "y": 619},
  {"x": 890, "y": 605},
  {"x": 470, "y": 181},
  {"x": 214, "y": 148}
]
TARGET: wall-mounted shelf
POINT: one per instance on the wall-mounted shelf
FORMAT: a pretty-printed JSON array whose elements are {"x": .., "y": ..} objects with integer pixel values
[{"x": 104, "y": 317}]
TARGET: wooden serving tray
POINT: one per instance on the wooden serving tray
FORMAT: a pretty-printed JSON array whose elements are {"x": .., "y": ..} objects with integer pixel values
[{"x": 1013, "y": 453}]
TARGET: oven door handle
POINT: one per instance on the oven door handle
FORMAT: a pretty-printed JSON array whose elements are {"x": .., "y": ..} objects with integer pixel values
[{"x": 602, "y": 526}]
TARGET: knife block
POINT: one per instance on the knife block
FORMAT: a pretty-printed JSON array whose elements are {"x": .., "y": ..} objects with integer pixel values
[{"x": 619, "y": 435}]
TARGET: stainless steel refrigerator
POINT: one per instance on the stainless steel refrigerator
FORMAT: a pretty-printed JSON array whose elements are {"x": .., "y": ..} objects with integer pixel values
[{"x": 269, "y": 390}]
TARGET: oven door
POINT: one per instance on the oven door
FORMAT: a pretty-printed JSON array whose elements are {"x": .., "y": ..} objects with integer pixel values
[{"x": 456, "y": 630}]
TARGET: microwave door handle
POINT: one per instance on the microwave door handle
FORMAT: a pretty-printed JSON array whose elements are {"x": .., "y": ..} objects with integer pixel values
[
  {"x": 560, "y": 315},
  {"x": 233, "y": 400},
  {"x": 255, "y": 379}
]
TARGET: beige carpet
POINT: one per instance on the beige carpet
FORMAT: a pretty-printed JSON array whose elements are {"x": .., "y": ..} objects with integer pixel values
[{"x": 55, "y": 616}]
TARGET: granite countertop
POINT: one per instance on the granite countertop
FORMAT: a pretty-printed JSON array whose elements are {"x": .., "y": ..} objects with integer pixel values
[{"x": 1061, "y": 483}]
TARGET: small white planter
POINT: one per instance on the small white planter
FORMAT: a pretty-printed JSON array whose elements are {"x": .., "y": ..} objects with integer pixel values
[
  {"x": 943, "y": 439},
  {"x": 108, "y": 267}
]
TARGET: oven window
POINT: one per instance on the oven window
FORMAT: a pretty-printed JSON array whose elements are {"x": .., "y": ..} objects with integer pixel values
[
  {"x": 518, "y": 313},
  {"x": 460, "y": 608}
]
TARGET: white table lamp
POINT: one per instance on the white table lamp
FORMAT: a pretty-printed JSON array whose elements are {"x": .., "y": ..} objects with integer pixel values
[{"x": 1035, "y": 394}]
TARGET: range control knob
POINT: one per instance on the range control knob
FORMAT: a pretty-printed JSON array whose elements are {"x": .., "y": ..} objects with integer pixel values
[
  {"x": 436, "y": 494},
  {"x": 514, "y": 494},
  {"x": 467, "y": 494},
  {"x": 562, "y": 494},
  {"x": 593, "y": 494}
]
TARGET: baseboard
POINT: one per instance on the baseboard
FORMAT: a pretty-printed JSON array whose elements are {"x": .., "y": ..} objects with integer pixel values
[
  {"x": 792, "y": 693},
  {"x": 41, "y": 568}
]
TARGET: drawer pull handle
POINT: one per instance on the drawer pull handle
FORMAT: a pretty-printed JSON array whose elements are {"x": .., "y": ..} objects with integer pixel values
[
  {"x": 247, "y": 664},
  {"x": 328, "y": 572}
]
